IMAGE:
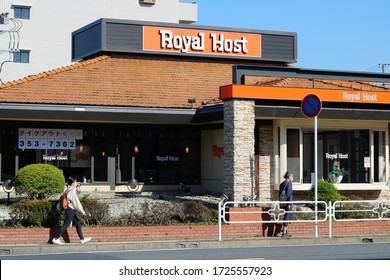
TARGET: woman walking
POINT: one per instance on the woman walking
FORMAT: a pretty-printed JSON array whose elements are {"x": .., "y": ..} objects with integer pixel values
[{"x": 70, "y": 213}]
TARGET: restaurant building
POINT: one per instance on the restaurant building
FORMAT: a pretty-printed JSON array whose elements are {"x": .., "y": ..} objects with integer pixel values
[{"x": 215, "y": 109}]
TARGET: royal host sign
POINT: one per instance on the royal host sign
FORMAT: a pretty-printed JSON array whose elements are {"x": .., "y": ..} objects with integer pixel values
[
  {"x": 129, "y": 37},
  {"x": 180, "y": 40}
]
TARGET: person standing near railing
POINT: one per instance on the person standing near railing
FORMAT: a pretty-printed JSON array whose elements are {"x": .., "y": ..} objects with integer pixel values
[{"x": 287, "y": 187}]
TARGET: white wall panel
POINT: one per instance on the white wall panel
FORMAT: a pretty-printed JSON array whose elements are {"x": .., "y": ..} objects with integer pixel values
[{"x": 48, "y": 31}]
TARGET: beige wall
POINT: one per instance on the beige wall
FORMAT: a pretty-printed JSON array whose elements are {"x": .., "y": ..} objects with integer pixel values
[{"x": 212, "y": 160}]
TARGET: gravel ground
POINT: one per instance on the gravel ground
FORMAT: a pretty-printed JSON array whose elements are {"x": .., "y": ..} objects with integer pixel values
[{"x": 123, "y": 202}]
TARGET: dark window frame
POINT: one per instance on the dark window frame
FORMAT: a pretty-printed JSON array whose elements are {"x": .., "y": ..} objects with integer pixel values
[
  {"x": 22, "y": 12},
  {"x": 22, "y": 56}
]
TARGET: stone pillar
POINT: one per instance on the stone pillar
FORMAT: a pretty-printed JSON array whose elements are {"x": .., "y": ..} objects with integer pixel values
[
  {"x": 385, "y": 194},
  {"x": 266, "y": 162},
  {"x": 239, "y": 142}
]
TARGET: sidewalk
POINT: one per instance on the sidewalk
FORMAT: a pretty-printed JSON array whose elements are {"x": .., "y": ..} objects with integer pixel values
[{"x": 46, "y": 248}]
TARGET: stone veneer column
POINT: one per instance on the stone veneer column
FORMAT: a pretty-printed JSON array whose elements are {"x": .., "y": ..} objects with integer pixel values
[
  {"x": 239, "y": 141},
  {"x": 266, "y": 162},
  {"x": 385, "y": 194}
]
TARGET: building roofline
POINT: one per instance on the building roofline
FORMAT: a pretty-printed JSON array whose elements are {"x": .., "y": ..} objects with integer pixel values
[
  {"x": 53, "y": 71},
  {"x": 82, "y": 113},
  {"x": 240, "y": 71},
  {"x": 186, "y": 26}
]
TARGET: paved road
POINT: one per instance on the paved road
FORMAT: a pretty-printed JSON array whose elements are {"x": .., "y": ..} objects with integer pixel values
[{"x": 369, "y": 251}]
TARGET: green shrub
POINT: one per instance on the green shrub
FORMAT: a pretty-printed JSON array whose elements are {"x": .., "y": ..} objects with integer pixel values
[
  {"x": 326, "y": 192},
  {"x": 195, "y": 212},
  {"x": 97, "y": 212},
  {"x": 168, "y": 213},
  {"x": 35, "y": 213},
  {"x": 39, "y": 181},
  {"x": 42, "y": 213},
  {"x": 355, "y": 210},
  {"x": 152, "y": 214}
]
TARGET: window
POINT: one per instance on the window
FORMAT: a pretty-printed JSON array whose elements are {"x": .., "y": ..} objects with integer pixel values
[
  {"x": 344, "y": 156},
  {"x": 159, "y": 156},
  {"x": 22, "y": 56},
  {"x": 293, "y": 152},
  {"x": 21, "y": 12},
  {"x": 379, "y": 156}
]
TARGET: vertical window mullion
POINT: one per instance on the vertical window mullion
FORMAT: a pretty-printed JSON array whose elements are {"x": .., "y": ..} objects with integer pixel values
[{"x": 379, "y": 157}]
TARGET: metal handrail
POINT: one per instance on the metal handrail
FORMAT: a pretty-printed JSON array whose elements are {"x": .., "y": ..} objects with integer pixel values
[
  {"x": 272, "y": 209},
  {"x": 275, "y": 211},
  {"x": 344, "y": 211},
  {"x": 361, "y": 210}
]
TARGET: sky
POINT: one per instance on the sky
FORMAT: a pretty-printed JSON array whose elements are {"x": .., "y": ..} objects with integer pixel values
[{"x": 351, "y": 35}]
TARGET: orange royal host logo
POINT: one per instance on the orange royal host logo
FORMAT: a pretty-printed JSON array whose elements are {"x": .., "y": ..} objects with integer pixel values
[{"x": 201, "y": 41}]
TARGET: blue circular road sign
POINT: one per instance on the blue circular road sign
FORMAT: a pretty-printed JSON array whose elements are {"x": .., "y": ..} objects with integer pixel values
[{"x": 311, "y": 105}]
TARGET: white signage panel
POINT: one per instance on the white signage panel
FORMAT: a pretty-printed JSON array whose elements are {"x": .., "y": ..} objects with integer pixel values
[{"x": 47, "y": 138}]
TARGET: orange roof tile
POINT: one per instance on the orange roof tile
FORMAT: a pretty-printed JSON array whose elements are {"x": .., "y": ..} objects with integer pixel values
[
  {"x": 122, "y": 81},
  {"x": 317, "y": 83},
  {"x": 143, "y": 81}
]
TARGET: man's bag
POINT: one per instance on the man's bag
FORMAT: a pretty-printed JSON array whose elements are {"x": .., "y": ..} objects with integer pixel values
[{"x": 282, "y": 196}]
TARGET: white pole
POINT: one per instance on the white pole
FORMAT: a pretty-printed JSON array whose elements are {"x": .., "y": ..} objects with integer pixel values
[
  {"x": 315, "y": 176},
  {"x": 220, "y": 220},
  {"x": 330, "y": 219}
]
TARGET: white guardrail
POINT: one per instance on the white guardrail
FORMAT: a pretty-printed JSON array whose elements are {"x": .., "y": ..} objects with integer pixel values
[
  {"x": 261, "y": 212},
  {"x": 361, "y": 210}
]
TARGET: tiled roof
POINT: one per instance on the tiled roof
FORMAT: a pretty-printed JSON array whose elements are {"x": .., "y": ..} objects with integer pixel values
[
  {"x": 129, "y": 81},
  {"x": 317, "y": 83},
  {"x": 144, "y": 81}
]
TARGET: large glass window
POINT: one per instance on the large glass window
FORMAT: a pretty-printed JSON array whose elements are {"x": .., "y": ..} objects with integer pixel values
[
  {"x": 100, "y": 154},
  {"x": 379, "y": 156},
  {"x": 293, "y": 154},
  {"x": 344, "y": 156},
  {"x": 163, "y": 156},
  {"x": 77, "y": 162},
  {"x": 7, "y": 154},
  {"x": 68, "y": 149},
  {"x": 125, "y": 159},
  {"x": 158, "y": 155}
]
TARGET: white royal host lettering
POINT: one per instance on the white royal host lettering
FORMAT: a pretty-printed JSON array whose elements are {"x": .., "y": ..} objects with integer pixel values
[
  {"x": 182, "y": 43},
  {"x": 220, "y": 44},
  {"x": 197, "y": 43},
  {"x": 359, "y": 96},
  {"x": 336, "y": 156}
]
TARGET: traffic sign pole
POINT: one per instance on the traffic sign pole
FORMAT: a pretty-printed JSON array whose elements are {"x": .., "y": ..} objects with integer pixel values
[
  {"x": 311, "y": 107},
  {"x": 315, "y": 176}
]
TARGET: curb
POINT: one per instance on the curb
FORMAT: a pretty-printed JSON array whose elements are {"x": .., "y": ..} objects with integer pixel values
[{"x": 31, "y": 249}]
